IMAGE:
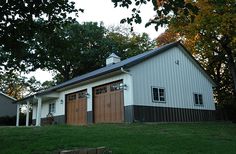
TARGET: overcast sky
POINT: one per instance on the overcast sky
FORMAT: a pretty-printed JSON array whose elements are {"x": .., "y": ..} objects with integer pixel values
[{"x": 104, "y": 11}]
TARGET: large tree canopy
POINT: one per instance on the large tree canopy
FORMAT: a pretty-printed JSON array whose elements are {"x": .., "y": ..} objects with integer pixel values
[
  {"x": 20, "y": 20},
  {"x": 72, "y": 50},
  {"x": 79, "y": 48}
]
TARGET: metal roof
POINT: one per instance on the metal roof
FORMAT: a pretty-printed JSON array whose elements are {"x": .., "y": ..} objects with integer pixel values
[
  {"x": 7, "y": 96},
  {"x": 117, "y": 66},
  {"x": 110, "y": 68}
]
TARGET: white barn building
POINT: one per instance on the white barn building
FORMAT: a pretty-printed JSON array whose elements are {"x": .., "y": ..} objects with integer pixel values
[{"x": 162, "y": 85}]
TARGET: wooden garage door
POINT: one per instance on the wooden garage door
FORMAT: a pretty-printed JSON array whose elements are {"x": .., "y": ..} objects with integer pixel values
[
  {"x": 108, "y": 103},
  {"x": 76, "y": 108}
]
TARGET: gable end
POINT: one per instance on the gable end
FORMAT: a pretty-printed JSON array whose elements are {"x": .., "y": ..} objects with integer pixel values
[{"x": 197, "y": 64}]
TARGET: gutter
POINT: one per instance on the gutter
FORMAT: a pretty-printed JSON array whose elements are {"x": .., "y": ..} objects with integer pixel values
[{"x": 124, "y": 71}]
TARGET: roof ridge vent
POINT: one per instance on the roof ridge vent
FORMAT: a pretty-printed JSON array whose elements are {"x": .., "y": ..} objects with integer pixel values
[{"x": 112, "y": 59}]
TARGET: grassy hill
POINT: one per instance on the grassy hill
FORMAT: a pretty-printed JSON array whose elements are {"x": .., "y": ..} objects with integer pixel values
[{"x": 122, "y": 138}]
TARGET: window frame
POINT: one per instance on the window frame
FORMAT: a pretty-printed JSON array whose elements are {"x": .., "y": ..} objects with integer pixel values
[
  {"x": 82, "y": 94},
  {"x": 71, "y": 97},
  {"x": 200, "y": 102},
  {"x": 50, "y": 108},
  {"x": 101, "y": 90},
  {"x": 159, "y": 96}
]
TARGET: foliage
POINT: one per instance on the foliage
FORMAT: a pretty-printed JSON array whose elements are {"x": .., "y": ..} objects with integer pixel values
[
  {"x": 23, "y": 22},
  {"x": 48, "y": 84},
  {"x": 20, "y": 20},
  {"x": 127, "y": 44},
  {"x": 165, "y": 9},
  {"x": 212, "y": 40},
  {"x": 71, "y": 49},
  {"x": 123, "y": 138},
  {"x": 80, "y": 48},
  {"x": 17, "y": 86},
  {"x": 12, "y": 84}
]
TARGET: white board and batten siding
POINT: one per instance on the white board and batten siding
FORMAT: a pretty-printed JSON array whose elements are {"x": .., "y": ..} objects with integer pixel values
[
  {"x": 173, "y": 71},
  {"x": 60, "y": 103}
]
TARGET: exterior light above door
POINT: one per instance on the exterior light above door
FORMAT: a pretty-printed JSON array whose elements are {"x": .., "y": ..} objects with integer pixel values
[{"x": 87, "y": 95}]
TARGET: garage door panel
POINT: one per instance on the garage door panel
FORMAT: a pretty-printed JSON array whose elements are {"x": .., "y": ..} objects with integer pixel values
[
  {"x": 122, "y": 105},
  {"x": 113, "y": 107},
  {"x": 107, "y": 108},
  {"x": 102, "y": 109},
  {"x": 118, "y": 107},
  {"x": 76, "y": 112},
  {"x": 108, "y": 103},
  {"x": 85, "y": 109},
  {"x": 68, "y": 113},
  {"x": 96, "y": 106},
  {"x": 98, "y": 111}
]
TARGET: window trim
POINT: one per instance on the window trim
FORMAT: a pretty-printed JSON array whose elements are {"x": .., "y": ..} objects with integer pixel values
[
  {"x": 50, "y": 107},
  {"x": 158, "y": 101},
  {"x": 198, "y": 99}
]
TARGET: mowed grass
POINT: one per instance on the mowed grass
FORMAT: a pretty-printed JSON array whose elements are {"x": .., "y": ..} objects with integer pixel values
[{"x": 122, "y": 138}]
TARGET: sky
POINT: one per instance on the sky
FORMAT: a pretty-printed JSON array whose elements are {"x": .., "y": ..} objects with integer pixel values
[{"x": 104, "y": 11}]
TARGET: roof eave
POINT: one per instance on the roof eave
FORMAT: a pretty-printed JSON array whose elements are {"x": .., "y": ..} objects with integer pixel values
[
  {"x": 88, "y": 78},
  {"x": 7, "y": 96}
]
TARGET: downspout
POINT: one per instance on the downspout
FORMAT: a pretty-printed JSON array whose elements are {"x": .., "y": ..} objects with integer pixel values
[{"x": 132, "y": 93}]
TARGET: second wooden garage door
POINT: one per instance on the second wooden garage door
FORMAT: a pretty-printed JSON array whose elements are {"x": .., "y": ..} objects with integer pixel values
[
  {"x": 108, "y": 103},
  {"x": 76, "y": 108}
]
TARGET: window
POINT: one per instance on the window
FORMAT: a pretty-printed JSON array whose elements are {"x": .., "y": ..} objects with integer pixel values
[
  {"x": 158, "y": 94},
  {"x": 52, "y": 108},
  {"x": 101, "y": 90},
  {"x": 198, "y": 99},
  {"x": 82, "y": 94},
  {"x": 72, "y": 97}
]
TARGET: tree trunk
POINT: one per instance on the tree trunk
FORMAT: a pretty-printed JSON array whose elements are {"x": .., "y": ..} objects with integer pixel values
[
  {"x": 231, "y": 65},
  {"x": 218, "y": 78}
]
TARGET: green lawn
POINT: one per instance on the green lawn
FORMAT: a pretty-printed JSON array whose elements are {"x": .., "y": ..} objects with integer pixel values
[{"x": 122, "y": 138}]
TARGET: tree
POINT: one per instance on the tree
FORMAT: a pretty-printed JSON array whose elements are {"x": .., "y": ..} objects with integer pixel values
[
  {"x": 165, "y": 9},
  {"x": 11, "y": 84},
  {"x": 72, "y": 50},
  {"x": 127, "y": 44},
  {"x": 80, "y": 48},
  {"x": 212, "y": 39},
  {"x": 18, "y": 86},
  {"x": 20, "y": 20}
]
